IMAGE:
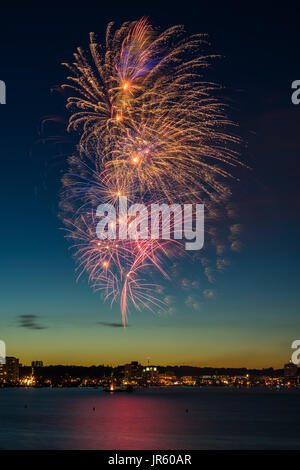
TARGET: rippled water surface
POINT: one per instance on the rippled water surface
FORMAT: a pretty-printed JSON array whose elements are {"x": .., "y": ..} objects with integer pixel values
[{"x": 156, "y": 418}]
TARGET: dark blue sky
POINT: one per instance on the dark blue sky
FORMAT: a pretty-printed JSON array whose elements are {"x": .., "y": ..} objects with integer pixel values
[{"x": 249, "y": 314}]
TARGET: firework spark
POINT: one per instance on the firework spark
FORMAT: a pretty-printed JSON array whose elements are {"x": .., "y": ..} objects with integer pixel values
[{"x": 151, "y": 129}]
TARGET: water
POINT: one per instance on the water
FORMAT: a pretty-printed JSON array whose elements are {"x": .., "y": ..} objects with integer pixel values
[{"x": 149, "y": 419}]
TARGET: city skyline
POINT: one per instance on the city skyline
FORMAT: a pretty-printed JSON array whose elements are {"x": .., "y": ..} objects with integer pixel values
[
  {"x": 135, "y": 374},
  {"x": 39, "y": 363},
  {"x": 146, "y": 361}
]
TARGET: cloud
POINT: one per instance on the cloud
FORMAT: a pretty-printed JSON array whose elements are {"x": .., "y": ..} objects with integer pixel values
[
  {"x": 168, "y": 307},
  {"x": 159, "y": 289},
  {"x": 30, "y": 322},
  {"x": 222, "y": 263},
  {"x": 236, "y": 245},
  {"x": 232, "y": 210},
  {"x": 185, "y": 283},
  {"x": 111, "y": 325},
  {"x": 170, "y": 310},
  {"x": 236, "y": 229},
  {"x": 220, "y": 249},
  {"x": 192, "y": 302},
  {"x": 195, "y": 285},
  {"x": 209, "y": 273},
  {"x": 175, "y": 268},
  {"x": 208, "y": 293},
  {"x": 188, "y": 284},
  {"x": 208, "y": 270},
  {"x": 170, "y": 299}
]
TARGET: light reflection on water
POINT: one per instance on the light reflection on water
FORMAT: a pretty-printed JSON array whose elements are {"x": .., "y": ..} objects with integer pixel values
[{"x": 154, "y": 418}]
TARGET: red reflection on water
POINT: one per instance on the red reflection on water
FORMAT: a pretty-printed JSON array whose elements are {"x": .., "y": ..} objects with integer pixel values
[{"x": 122, "y": 421}]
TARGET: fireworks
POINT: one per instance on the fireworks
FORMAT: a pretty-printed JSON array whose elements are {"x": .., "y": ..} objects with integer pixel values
[{"x": 151, "y": 130}]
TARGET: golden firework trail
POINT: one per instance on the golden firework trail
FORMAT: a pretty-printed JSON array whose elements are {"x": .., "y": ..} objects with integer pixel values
[{"x": 150, "y": 128}]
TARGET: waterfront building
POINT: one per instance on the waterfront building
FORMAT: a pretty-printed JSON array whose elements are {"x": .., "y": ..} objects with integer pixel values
[
  {"x": 133, "y": 370},
  {"x": 12, "y": 369},
  {"x": 37, "y": 364}
]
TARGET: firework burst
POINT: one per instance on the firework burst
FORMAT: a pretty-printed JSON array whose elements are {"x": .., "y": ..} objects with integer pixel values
[{"x": 151, "y": 129}]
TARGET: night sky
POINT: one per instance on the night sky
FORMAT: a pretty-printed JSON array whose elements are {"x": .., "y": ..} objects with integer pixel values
[{"x": 248, "y": 316}]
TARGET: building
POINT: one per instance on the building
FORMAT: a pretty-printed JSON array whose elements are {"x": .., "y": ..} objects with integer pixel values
[
  {"x": 150, "y": 373},
  {"x": 290, "y": 370},
  {"x": 37, "y": 364},
  {"x": 2, "y": 373},
  {"x": 169, "y": 373},
  {"x": 167, "y": 378},
  {"x": 12, "y": 369},
  {"x": 133, "y": 370},
  {"x": 188, "y": 380}
]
